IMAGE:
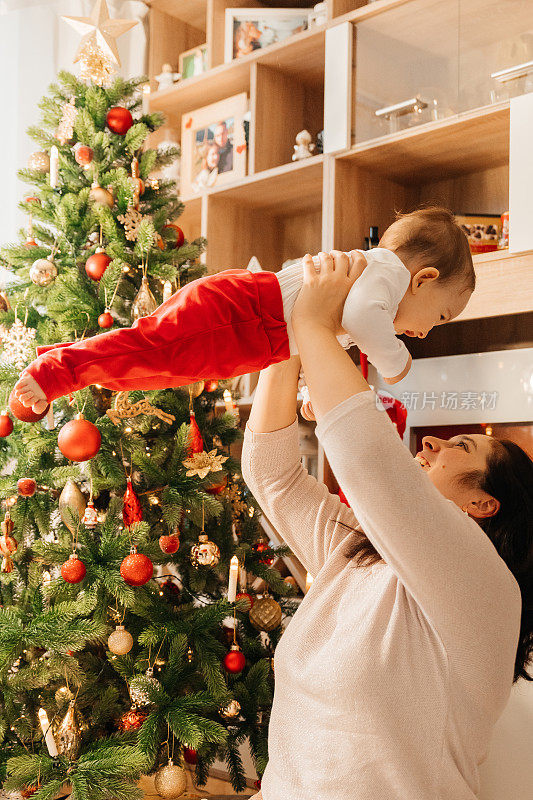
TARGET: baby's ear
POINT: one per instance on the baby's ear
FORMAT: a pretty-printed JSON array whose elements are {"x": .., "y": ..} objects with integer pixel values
[{"x": 424, "y": 275}]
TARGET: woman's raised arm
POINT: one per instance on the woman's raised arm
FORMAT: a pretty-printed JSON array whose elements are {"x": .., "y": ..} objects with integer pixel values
[{"x": 301, "y": 509}]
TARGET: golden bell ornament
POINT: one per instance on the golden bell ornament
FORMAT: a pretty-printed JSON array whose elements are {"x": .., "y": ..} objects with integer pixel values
[
  {"x": 43, "y": 271},
  {"x": 120, "y": 641},
  {"x": 101, "y": 196},
  {"x": 265, "y": 614},
  {"x": 170, "y": 781},
  {"x": 68, "y": 733},
  {"x": 205, "y": 553},
  {"x": 39, "y": 161},
  {"x": 144, "y": 302},
  {"x": 63, "y": 695},
  {"x": 232, "y": 710},
  {"x": 71, "y": 500}
]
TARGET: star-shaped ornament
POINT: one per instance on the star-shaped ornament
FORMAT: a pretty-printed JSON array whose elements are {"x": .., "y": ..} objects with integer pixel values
[{"x": 99, "y": 30}]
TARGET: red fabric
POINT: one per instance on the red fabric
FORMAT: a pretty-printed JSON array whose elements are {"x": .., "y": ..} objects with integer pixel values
[{"x": 219, "y": 326}]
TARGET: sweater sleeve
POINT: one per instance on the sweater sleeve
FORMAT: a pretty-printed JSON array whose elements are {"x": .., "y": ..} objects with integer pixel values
[
  {"x": 442, "y": 557},
  {"x": 310, "y": 519}
]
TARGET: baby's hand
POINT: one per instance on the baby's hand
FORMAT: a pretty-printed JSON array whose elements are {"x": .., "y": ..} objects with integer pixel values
[
  {"x": 307, "y": 411},
  {"x": 402, "y": 374}
]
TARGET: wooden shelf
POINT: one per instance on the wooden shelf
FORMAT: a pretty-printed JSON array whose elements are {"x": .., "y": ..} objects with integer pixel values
[
  {"x": 290, "y": 189},
  {"x": 456, "y": 145},
  {"x": 504, "y": 285},
  {"x": 301, "y": 57}
]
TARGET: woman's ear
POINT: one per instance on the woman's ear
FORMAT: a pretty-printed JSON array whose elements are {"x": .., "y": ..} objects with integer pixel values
[
  {"x": 425, "y": 275},
  {"x": 488, "y": 506}
]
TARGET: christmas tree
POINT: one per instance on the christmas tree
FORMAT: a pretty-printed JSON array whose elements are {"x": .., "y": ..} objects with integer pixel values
[{"x": 123, "y": 650}]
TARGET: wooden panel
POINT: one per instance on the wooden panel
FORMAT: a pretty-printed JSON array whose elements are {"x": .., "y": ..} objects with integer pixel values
[
  {"x": 289, "y": 189},
  {"x": 462, "y": 143},
  {"x": 300, "y": 234},
  {"x": 504, "y": 285},
  {"x": 168, "y": 38},
  {"x": 193, "y": 12},
  {"x": 338, "y": 82},
  {"x": 483, "y": 192},
  {"x": 339, "y": 7},
  {"x": 363, "y": 199},
  {"x": 475, "y": 336},
  {"x": 296, "y": 106}
]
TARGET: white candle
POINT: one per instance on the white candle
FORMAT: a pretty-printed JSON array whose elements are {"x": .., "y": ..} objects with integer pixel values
[
  {"x": 308, "y": 581},
  {"x": 146, "y": 98},
  {"x": 242, "y": 579},
  {"x": 54, "y": 166},
  {"x": 228, "y": 400},
  {"x": 233, "y": 575},
  {"x": 47, "y": 733}
]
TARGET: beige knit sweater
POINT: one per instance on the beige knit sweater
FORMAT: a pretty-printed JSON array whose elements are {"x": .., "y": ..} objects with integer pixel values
[{"x": 388, "y": 680}]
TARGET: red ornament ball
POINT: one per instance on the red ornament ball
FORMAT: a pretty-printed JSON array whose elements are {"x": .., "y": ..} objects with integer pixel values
[
  {"x": 234, "y": 661},
  {"x": 79, "y": 440},
  {"x": 211, "y": 386},
  {"x": 132, "y": 720},
  {"x": 190, "y": 755},
  {"x": 6, "y": 425},
  {"x": 96, "y": 265},
  {"x": 23, "y": 413},
  {"x": 177, "y": 239},
  {"x": 26, "y": 487},
  {"x": 218, "y": 488},
  {"x": 83, "y": 155},
  {"x": 105, "y": 320},
  {"x": 136, "y": 569},
  {"x": 119, "y": 120},
  {"x": 245, "y": 596},
  {"x": 169, "y": 544},
  {"x": 257, "y": 784},
  {"x": 73, "y": 570}
]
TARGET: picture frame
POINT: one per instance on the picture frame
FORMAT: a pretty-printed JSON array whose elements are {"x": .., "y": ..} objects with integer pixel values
[
  {"x": 213, "y": 145},
  {"x": 249, "y": 29},
  {"x": 193, "y": 62}
]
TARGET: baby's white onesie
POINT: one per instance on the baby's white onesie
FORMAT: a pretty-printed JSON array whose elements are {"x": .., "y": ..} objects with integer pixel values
[{"x": 369, "y": 309}]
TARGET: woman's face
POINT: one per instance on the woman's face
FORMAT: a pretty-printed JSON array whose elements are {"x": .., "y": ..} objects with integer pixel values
[{"x": 446, "y": 460}]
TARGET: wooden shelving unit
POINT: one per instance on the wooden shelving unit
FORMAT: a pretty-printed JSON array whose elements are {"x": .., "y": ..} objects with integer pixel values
[{"x": 282, "y": 209}]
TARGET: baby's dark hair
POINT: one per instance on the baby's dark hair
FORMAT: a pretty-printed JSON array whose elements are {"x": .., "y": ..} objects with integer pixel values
[{"x": 432, "y": 236}]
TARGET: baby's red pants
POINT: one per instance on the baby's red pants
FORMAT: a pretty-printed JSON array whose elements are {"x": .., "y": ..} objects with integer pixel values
[{"x": 219, "y": 326}]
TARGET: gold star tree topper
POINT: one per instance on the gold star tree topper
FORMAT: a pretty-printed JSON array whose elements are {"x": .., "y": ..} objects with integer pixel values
[{"x": 99, "y": 31}]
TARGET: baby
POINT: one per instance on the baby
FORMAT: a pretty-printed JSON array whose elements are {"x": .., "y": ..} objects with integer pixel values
[{"x": 235, "y": 321}]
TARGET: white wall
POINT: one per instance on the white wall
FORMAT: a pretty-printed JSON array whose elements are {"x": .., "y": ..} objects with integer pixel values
[{"x": 34, "y": 45}]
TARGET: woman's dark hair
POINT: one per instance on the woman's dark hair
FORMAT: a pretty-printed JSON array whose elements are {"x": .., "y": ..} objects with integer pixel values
[{"x": 509, "y": 479}]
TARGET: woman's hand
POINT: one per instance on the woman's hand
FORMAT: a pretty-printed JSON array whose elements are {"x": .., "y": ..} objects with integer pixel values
[{"x": 323, "y": 294}]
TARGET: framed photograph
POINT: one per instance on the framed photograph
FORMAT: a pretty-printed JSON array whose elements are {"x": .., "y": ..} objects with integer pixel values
[
  {"x": 249, "y": 29},
  {"x": 193, "y": 62},
  {"x": 213, "y": 145}
]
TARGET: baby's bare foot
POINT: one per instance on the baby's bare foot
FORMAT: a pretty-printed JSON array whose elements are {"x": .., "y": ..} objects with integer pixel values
[{"x": 28, "y": 391}]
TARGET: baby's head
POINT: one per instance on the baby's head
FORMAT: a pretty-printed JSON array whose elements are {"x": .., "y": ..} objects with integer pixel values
[{"x": 436, "y": 252}]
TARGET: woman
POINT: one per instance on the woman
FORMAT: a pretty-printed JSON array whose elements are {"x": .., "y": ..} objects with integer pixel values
[{"x": 401, "y": 657}]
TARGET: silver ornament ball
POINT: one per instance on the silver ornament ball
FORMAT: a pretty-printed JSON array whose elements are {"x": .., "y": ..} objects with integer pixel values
[
  {"x": 120, "y": 641},
  {"x": 43, "y": 271}
]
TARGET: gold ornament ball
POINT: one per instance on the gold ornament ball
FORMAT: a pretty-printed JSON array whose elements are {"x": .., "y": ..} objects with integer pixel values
[
  {"x": 101, "y": 196},
  {"x": 68, "y": 733},
  {"x": 230, "y": 711},
  {"x": 205, "y": 553},
  {"x": 63, "y": 695},
  {"x": 170, "y": 781},
  {"x": 120, "y": 641},
  {"x": 39, "y": 161},
  {"x": 265, "y": 614},
  {"x": 196, "y": 388},
  {"x": 43, "y": 271}
]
